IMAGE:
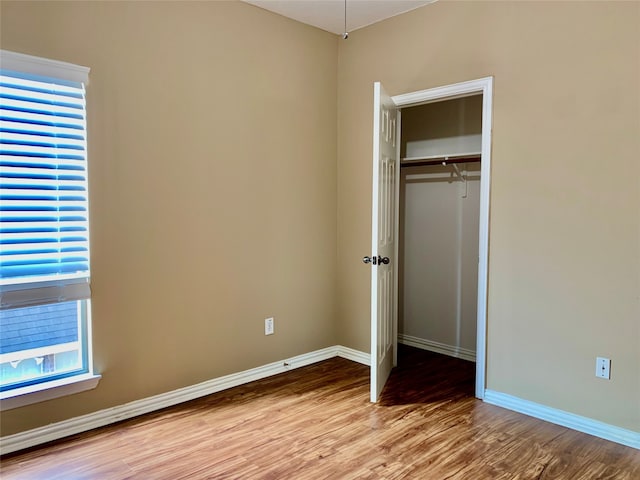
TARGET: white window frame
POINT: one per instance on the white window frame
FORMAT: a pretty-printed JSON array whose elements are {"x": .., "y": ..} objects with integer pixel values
[{"x": 49, "y": 390}]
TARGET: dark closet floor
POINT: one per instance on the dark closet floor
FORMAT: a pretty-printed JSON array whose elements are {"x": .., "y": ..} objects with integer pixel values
[{"x": 426, "y": 377}]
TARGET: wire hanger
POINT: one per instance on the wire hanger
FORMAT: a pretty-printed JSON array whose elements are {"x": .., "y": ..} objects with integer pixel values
[
  {"x": 456, "y": 170},
  {"x": 461, "y": 176}
]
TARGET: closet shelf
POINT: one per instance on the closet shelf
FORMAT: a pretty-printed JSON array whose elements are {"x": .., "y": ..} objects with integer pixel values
[{"x": 438, "y": 159}]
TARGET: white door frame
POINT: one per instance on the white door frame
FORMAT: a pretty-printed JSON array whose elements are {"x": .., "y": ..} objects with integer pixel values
[{"x": 482, "y": 86}]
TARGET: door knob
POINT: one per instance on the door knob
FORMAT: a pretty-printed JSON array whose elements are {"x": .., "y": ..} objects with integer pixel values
[{"x": 376, "y": 260}]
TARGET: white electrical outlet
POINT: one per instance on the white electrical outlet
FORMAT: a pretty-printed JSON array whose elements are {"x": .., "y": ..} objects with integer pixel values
[
  {"x": 603, "y": 368},
  {"x": 268, "y": 326}
]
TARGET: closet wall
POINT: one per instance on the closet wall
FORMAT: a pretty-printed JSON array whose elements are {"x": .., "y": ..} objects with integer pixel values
[
  {"x": 439, "y": 229},
  {"x": 451, "y": 127}
]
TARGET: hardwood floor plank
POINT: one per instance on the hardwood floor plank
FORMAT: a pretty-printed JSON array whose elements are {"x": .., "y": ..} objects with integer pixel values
[{"x": 317, "y": 422}]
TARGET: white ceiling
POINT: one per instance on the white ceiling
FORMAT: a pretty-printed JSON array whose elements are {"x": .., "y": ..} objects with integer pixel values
[{"x": 329, "y": 14}]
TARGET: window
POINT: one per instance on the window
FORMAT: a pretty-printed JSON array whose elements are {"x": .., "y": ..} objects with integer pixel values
[{"x": 44, "y": 224}]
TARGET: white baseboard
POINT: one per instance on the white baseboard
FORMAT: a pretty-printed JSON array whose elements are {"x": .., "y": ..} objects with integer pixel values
[
  {"x": 55, "y": 431},
  {"x": 354, "y": 355},
  {"x": 565, "y": 419},
  {"x": 437, "y": 347},
  {"x": 101, "y": 418}
]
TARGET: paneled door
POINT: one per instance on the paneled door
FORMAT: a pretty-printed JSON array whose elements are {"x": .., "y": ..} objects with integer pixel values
[{"x": 384, "y": 261}]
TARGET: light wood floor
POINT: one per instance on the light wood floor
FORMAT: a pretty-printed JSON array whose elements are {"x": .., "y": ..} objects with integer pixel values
[{"x": 317, "y": 423}]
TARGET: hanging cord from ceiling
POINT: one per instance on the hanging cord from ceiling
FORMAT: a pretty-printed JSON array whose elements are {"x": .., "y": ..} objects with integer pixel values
[{"x": 345, "y": 35}]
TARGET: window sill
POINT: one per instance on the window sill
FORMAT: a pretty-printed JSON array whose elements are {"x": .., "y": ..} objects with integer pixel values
[{"x": 21, "y": 397}]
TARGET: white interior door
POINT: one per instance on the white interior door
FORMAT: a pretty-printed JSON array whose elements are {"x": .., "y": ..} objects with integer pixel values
[{"x": 384, "y": 309}]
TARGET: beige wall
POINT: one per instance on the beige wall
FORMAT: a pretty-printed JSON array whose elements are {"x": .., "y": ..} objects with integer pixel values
[
  {"x": 257, "y": 158},
  {"x": 564, "y": 260},
  {"x": 212, "y": 163}
]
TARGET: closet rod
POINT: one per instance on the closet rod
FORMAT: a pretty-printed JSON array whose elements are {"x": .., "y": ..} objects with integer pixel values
[{"x": 440, "y": 160}]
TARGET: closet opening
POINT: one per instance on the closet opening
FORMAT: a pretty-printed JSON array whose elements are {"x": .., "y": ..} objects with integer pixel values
[
  {"x": 438, "y": 242},
  {"x": 413, "y": 134}
]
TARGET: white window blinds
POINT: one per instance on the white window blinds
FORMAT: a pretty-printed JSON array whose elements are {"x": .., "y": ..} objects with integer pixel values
[{"x": 44, "y": 222}]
